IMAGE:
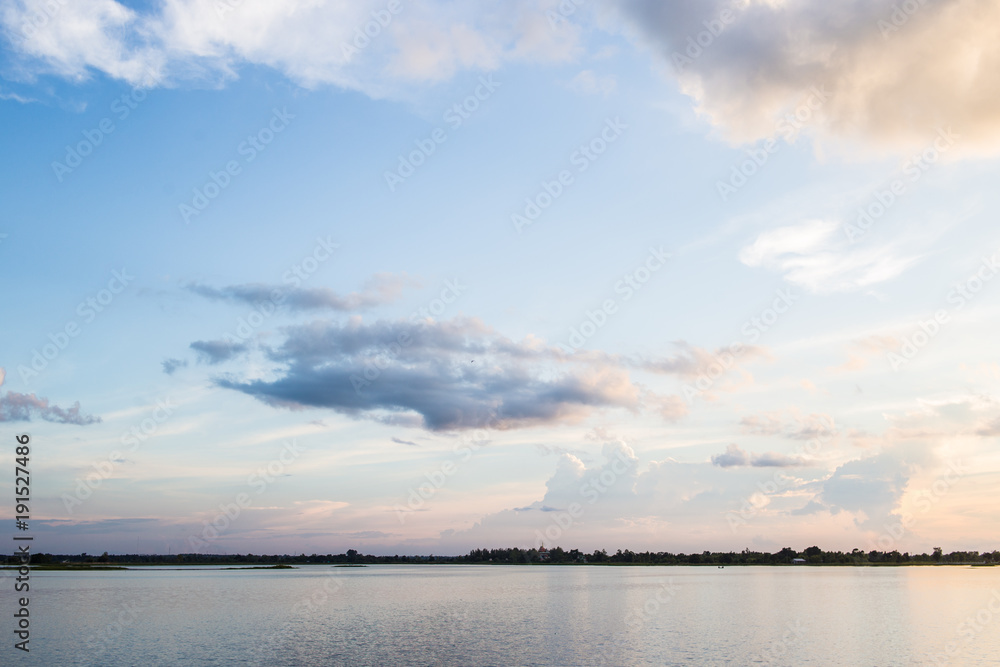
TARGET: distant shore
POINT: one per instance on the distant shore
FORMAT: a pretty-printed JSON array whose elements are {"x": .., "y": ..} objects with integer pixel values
[{"x": 541, "y": 556}]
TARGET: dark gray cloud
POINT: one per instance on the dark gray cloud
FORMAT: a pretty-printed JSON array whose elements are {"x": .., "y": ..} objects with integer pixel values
[
  {"x": 400, "y": 441},
  {"x": 16, "y": 407},
  {"x": 381, "y": 289},
  {"x": 734, "y": 456},
  {"x": 171, "y": 365},
  {"x": 394, "y": 370},
  {"x": 217, "y": 351}
]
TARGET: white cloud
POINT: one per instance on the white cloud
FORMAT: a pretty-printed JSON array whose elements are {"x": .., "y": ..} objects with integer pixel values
[
  {"x": 358, "y": 45},
  {"x": 817, "y": 256},
  {"x": 68, "y": 38}
]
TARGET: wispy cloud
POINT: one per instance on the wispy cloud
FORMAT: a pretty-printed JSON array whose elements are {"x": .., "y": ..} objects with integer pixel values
[
  {"x": 817, "y": 256},
  {"x": 789, "y": 424},
  {"x": 381, "y": 289},
  {"x": 217, "y": 351},
  {"x": 170, "y": 366},
  {"x": 734, "y": 456}
]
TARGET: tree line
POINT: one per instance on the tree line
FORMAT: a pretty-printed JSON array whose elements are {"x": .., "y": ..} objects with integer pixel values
[{"x": 554, "y": 556}]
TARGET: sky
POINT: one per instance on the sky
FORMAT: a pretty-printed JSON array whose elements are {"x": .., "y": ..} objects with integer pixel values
[{"x": 417, "y": 278}]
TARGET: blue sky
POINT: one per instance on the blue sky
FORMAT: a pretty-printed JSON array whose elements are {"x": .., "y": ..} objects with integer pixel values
[{"x": 667, "y": 276}]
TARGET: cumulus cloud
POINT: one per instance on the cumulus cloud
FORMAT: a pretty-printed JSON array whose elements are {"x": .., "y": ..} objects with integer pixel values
[
  {"x": 423, "y": 373},
  {"x": 870, "y": 488},
  {"x": 892, "y": 78},
  {"x": 381, "y": 289},
  {"x": 618, "y": 501},
  {"x": 888, "y": 81},
  {"x": 734, "y": 456},
  {"x": 70, "y": 38},
  {"x": 311, "y": 41},
  {"x": 15, "y": 407},
  {"x": 459, "y": 374}
]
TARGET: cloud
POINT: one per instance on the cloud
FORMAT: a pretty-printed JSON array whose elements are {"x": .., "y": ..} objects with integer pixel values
[
  {"x": 400, "y": 441},
  {"x": 734, "y": 456},
  {"x": 419, "y": 373},
  {"x": 618, "y": 502},
  {"x": 381, "y": 289},
  {"x": 790, "y": 424},
  {"x": 812, "y": 507},
  {"x": 216, "y": 351},
  {"x": 313, "y": 42},
  {"x": 885, "y": 88},
  {"x": 990, "y": 428},
  {"x": 871, "y": 487},
  {"x": 549, "y": 450},
  {"x": 692, "y": 362},
  {"x": 17, "y": 98},
  {"x": 767, "y": 424},
  {"x": 171, "y": 365},
  {"x": 817, "y": 256},
  {"x": 15, "y": 407},
  {"x": 68, "y": 39},
  {"x": 671, "y": 408},
  {"x": 889, "y": 86}
]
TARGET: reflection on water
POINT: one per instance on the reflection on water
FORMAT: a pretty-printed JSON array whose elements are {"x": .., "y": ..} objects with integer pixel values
[{"x": 518, "y": 615}]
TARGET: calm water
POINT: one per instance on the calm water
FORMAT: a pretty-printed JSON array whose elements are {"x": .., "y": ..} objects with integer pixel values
[{"x": 482, "y": 615}]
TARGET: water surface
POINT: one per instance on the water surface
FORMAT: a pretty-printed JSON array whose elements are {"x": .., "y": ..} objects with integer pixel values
[{"x": 516, "y": 615}]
